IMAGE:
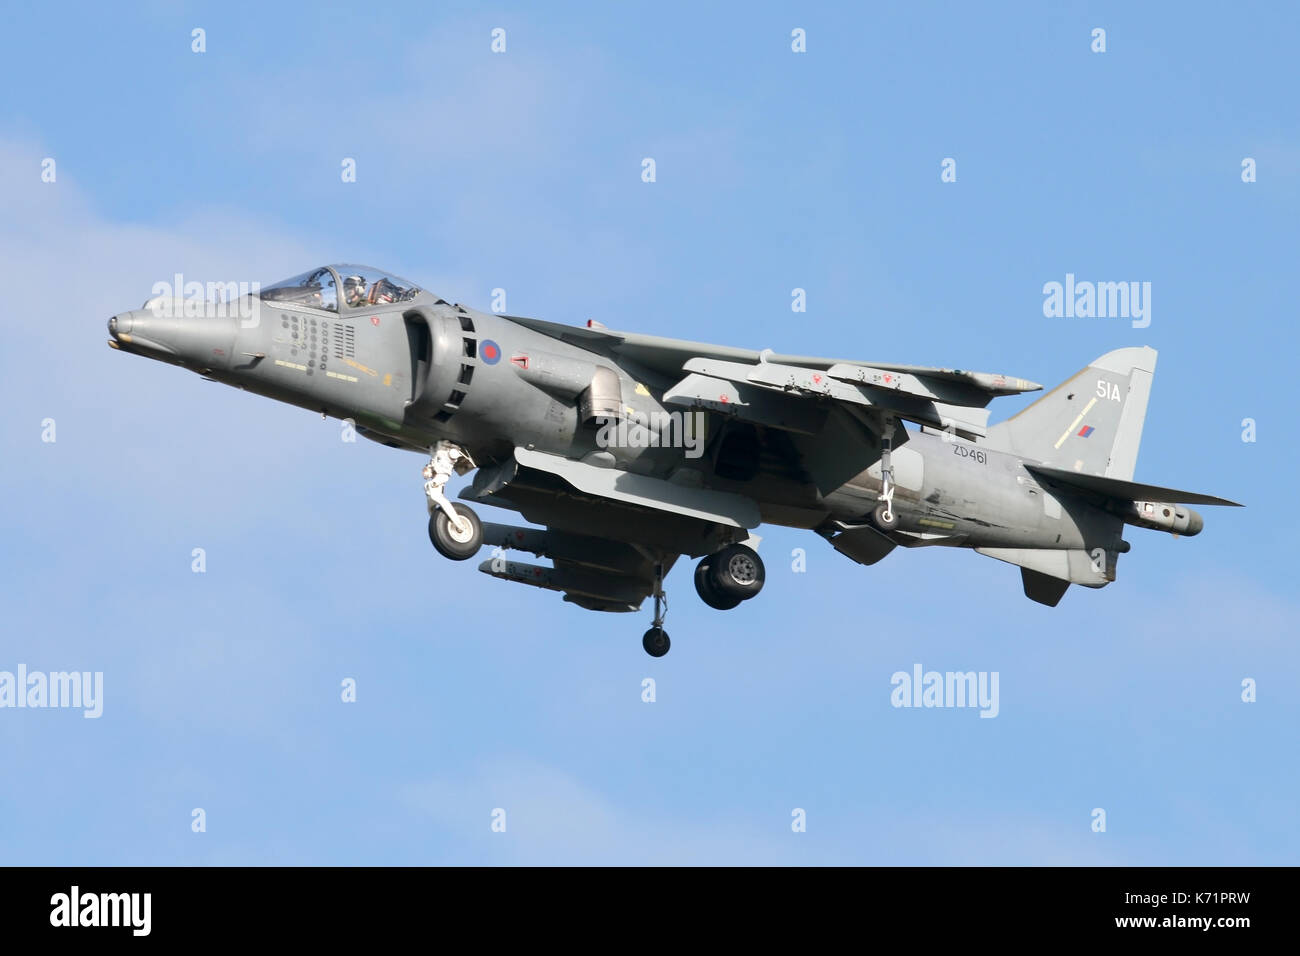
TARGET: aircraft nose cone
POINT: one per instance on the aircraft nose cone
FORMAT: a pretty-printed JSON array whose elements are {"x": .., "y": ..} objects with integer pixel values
[
  {"x": 164, "y": 332},
  {"x": 140, "y": 330},
  {"x": 120, "y": 324},
  {"x": 1194, "y": 523}
]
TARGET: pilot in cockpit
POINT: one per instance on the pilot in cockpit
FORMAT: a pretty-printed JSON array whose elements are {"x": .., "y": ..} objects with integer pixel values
[{"x": 354, "y": 291}]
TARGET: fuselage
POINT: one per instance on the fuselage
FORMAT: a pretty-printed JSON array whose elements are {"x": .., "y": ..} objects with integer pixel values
[{"x": 411, "y": 373}]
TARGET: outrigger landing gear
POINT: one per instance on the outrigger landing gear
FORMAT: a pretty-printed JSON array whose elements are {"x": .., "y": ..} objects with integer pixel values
[
  {"x": 655, "y": 641},
  {"x": 454, "y": 531},
  {"x": 884, "y": 516}
]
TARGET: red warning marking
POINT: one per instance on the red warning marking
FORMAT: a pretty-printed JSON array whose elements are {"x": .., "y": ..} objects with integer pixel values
[
  {"x": 817, "y": 379},
  {"x": 520, "y": 360},
  {"x": 374, "y": 320},
  {"x": 723, "y": 399}
]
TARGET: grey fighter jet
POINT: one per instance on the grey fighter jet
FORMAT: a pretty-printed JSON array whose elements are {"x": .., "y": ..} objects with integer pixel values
[{"x": 631, "y": 450}]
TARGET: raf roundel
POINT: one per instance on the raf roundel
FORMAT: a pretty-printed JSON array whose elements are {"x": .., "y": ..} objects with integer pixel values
[{"x": 489, "y": 352}]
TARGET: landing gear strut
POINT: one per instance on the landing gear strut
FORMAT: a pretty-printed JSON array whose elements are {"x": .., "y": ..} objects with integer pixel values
[
  {"x": 884, "y": 516},
  {"x": 655, "y": 641},
  {"x": 454, "y": 530}
]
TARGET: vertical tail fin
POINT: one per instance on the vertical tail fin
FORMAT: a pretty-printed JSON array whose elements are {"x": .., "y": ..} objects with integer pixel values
[{"x": 1092, "y": 422}]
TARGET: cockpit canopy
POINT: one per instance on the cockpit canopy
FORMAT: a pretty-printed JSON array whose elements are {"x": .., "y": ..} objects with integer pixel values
[{"x": 341, "y": 287}]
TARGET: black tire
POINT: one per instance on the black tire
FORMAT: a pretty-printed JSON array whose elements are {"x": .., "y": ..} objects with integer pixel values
[
  {"x": 705, "y": 588},
  {"x": 452, "y": 543},
  {"x": 656, "y": 642},
  {"x": 878, "y": 516},
  {"x": 737, "y": 572}
]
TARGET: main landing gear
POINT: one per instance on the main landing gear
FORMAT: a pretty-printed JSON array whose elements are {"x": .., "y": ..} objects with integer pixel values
[
  {"x": 732, "y": 575},
  {"x": 722, "y": 580},
  {"x": 454, "y": 530}
]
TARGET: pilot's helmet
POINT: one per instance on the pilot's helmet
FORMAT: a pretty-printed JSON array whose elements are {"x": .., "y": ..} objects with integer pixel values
[{"x": 354, "y": 287}]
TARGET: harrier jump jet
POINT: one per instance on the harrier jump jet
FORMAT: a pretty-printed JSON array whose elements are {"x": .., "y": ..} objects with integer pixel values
[{"x": 631, "y": 450}]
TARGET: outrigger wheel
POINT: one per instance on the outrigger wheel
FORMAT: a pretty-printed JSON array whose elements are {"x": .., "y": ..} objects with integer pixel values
[
  {"x": 885, "y": 517},
  {"x": 459, "y": 540},
  {"x": 656, "y": 642}
]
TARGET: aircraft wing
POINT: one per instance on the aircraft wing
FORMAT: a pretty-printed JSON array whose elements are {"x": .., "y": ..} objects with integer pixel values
[
  {"x": 669, "y": 357},
  {"x": 745, "y": 390}
]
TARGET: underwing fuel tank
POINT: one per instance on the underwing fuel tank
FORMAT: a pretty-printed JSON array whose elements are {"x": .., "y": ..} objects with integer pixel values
[{"x": 1158, "y": 516}]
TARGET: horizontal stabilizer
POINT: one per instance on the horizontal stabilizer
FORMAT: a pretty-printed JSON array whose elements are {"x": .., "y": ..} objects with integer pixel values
[{"x": 1126, "y": 490}]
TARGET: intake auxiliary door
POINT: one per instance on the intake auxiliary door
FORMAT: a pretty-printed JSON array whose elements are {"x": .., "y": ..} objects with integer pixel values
[{"x": 420, "y": 341}]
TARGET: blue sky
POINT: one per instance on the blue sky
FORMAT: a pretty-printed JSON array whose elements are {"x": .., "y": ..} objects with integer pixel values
[{"x": 522, "y": 171}]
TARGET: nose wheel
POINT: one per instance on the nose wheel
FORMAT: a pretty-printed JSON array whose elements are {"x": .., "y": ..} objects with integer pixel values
[
  {"x": 458, "y": 538},
  {"x": 454, "y": 529}
]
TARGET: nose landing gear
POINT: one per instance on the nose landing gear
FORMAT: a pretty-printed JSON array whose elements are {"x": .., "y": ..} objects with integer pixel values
[{"x": 454, "y": 530}]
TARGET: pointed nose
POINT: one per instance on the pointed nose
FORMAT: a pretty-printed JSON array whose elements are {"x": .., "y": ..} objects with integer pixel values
[
  {"x": 139, "y": 331},
  {"x": 196, "y": 341},
  {"x": 116, "y": 323}
]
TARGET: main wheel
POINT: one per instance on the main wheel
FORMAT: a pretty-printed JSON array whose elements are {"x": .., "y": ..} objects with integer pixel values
[
  {"x": 452, "y": 541},
  {"x": 708, "y": 591},
  {"x": 885, "y": 517},
  {"x": 737, "y": 572},
  {"x": 656, "y": 642}
]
